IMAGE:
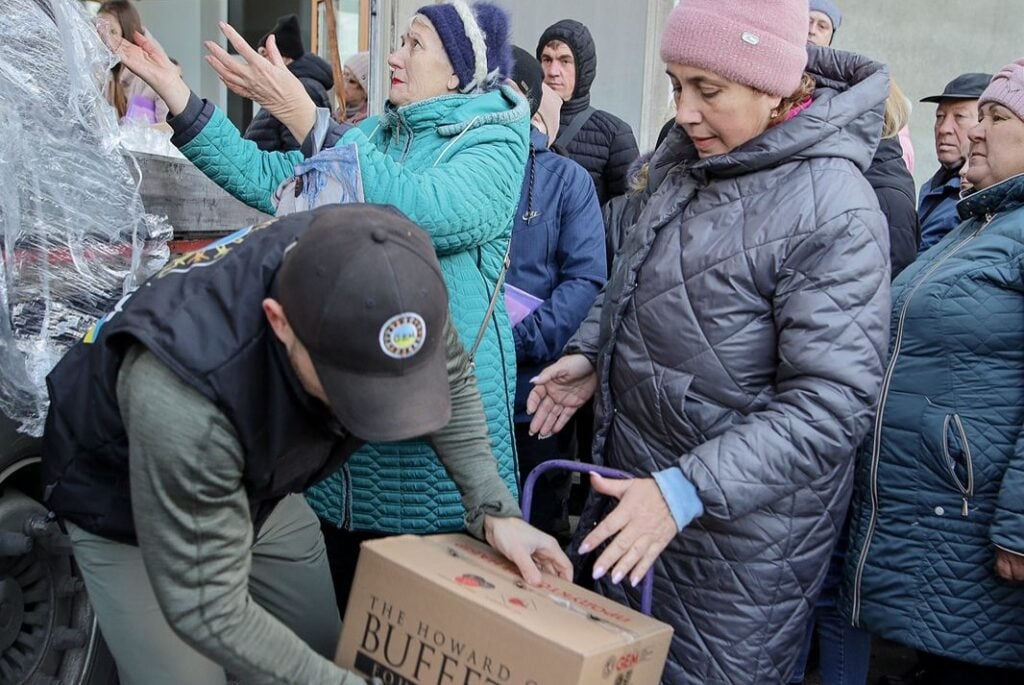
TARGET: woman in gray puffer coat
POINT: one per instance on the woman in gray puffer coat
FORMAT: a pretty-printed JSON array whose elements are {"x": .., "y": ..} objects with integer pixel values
[{"x": 737, "y": 351}]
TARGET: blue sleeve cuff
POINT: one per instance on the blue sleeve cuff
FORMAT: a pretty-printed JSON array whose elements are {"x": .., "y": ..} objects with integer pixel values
[
  {"x": 680, "y": 495},
  {"x": 191, "y": 120}
]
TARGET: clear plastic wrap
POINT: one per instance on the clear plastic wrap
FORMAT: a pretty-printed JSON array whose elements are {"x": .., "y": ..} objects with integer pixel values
[
  {"x": 137, "y": 137},
  {"x": 75, "y": 235}
]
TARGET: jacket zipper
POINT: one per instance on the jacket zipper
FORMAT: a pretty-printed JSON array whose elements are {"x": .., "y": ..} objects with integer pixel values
[
  {"x": 408, "y": 145},
  {"x": 346, "y": 514},
  {"x": 966, "y": 491},
  {"x": 876, "y": 443}
]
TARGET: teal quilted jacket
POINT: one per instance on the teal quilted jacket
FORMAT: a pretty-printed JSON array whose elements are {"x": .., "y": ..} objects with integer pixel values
[
  {"x": 454, "y": 165},
  {"x": 940, "y": 481}
]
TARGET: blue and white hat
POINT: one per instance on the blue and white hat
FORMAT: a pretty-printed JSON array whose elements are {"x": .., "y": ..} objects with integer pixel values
[{"x": 477, "y": 42}]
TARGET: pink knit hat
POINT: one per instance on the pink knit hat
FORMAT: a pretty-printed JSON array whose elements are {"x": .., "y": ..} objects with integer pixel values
[
  {"x": 1007, "y": 88},
  {"x": 760, "y": 43}
]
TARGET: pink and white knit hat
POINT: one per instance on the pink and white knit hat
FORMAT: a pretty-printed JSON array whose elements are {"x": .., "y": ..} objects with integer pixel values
[
  {"x": 760, "y": 43},
  {"x": 1007, "y": 88}
]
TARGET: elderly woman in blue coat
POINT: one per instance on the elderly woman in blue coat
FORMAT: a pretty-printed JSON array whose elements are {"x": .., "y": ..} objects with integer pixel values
[
  {"x": 936, "y": 559},
  {"x": 449, "y": 151}
]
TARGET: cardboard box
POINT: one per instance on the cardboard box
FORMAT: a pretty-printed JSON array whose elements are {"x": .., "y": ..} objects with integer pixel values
[{"x": 449, "y": 610}]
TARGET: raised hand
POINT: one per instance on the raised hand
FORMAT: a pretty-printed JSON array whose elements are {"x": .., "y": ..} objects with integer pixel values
[
  {"x": 147, "y": 60},
  {"x": 265, "y": 80}
]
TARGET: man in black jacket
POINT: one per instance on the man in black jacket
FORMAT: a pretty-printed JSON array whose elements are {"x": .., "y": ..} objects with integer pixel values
[
  {"x": 598, "y": 141},
  {"x": 315, "y": 74},
  {"x": 184, "y": 428}
]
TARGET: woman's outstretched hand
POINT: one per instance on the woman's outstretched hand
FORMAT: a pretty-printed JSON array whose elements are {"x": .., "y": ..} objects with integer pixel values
[
  {"x": 558, "y": 391},
  {"x": 264, "y": 80},
  {"x": 147, "y": 60}
]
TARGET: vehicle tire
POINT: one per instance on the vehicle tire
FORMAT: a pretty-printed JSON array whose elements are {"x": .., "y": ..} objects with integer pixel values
[{"x": 48, "y": 632}]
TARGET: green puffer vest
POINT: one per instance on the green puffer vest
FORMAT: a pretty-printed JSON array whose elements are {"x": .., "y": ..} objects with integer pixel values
[{"x": 454, "y": 165}]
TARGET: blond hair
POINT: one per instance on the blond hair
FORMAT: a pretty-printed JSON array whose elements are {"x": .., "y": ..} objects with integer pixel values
[{"x": 897, "y": 111}]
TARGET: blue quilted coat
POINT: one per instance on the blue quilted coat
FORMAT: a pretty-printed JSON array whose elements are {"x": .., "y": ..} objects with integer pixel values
[
  {"x": 940, "y": 482},
  {"x": 454, "y": 165}
]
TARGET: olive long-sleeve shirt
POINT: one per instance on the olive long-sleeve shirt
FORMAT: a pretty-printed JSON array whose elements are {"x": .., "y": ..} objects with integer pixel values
[{"x": 193, "y": 523}]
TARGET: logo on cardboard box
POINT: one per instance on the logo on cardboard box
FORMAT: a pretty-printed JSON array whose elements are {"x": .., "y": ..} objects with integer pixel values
[{"x": 393, "y": 645}]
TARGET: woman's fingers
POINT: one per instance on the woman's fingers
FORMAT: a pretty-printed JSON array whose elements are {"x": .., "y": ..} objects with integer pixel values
[
  {"x": 242, "y": 47},
  {"x": 542, "y": 414},
  {"x": 632, "y": 555},
  {"x": 644, "y": 565},
  {"x": 152, "y": 50},
  {"x": 273, "y": 54},
  {"x": 552, "y": 412},
  {"x": 222, "y": 62},
  {"x": 611, "y": 525},
  {"x": 538, "y": 393},
  {"x": 564, "y": 417},
  {"x": 639, "y": 528}
]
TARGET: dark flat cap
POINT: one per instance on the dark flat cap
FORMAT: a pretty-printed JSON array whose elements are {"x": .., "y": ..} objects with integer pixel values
[{"x": 963, "y": 87}]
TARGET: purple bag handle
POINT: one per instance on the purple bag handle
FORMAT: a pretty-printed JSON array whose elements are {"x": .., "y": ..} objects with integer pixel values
[{"x": 647, "y": 593}]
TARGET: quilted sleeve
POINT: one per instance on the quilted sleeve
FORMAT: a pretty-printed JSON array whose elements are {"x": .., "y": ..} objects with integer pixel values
[
  {"x": 1007, "y": 527},
  {"x": 238, "y": 165},
  {"x": 466, "y": 198},
  {"x": 464, "y": 448},
  {"x": 831, "y": 308},
  {"x": 622, "y": 152},
  {"x": 587, "y": 339}
]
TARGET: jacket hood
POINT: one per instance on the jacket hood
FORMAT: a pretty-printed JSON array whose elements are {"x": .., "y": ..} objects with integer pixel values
[
  {"x": 578, "y": 38},
  {"x": 638, "y": 174},
  {"x": 451, "y": 115},
  {"x": 313, "y": 67},
  {"x": 844, "y": 120}
]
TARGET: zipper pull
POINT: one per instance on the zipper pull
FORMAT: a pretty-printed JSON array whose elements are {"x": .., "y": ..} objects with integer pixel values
[{"x": 963, "y": 509}]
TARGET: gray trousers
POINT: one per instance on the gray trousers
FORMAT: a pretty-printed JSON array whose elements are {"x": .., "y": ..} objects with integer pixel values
[{"x": 290, "y": 578}]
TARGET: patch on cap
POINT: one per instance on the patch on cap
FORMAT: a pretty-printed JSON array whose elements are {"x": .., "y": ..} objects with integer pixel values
[
  {"x": 403, "y": 335},
  {"x": 751, "y": 38}
]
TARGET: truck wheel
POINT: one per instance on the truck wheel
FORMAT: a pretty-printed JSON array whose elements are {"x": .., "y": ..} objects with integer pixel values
[{"x": 48, "y": 632}]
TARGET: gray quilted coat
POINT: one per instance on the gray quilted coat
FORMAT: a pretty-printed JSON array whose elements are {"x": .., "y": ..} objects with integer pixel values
[{"x": 741, "y": 338}]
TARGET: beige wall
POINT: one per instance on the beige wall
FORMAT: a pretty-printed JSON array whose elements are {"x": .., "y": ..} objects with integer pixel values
[{"x": 181, "y": 26}]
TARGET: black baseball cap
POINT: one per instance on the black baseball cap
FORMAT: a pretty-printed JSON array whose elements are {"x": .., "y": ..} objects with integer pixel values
[
  {"x": 964, "y": 87},
  {"x": 363, "y": 291}
]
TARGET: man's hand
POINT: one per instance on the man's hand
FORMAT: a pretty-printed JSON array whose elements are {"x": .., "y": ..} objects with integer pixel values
[
  {"x": 1009, "y": 566},
  {"x": 528, "y": 548},
  {"x": 642, "y": 526},
  {"x": 558, "y": 391},
  {"x": 265, "y": 80}
]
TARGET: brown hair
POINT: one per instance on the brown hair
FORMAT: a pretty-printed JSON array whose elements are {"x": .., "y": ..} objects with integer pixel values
[
  {"x": 131, "y": 23},
  {"x": 897, "y": 111},
  {"x": 803, "y": 91}
]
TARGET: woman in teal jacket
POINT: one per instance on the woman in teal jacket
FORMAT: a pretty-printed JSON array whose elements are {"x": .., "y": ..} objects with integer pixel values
[
  {"x": 936, "y": 556},
  {"x": 450, "y": 152}
]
